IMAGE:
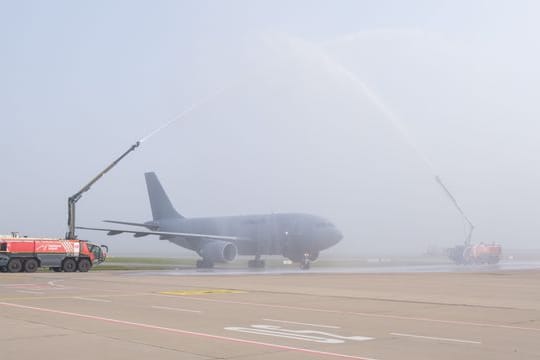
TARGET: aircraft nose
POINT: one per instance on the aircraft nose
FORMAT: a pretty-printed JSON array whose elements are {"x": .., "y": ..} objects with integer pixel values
[
  {"x": 331, "y": 237},
  {"x": 337, "y": 236}
]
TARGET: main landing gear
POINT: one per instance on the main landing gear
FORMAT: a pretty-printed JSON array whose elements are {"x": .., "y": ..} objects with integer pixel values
[
  {"x": 205, "y": 264},
  {"x": 257, "y": 263}
]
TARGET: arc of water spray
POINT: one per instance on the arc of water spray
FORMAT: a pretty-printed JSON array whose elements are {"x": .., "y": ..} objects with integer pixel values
[
  {"x": 398, "y": 124},
  {"x": 183, "y": 114},
  {"x": 379, "y": 104}
]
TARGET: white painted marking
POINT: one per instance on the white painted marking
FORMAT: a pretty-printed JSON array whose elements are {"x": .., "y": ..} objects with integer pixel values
[
  {"x": 92, "y": 299},
  {"x": 306, "y": 335},
  {"x": 437, "y": 338},
  {"x": 25, "y": 286},
  {"x": 373, "y": 315},
  {"x": 31, "y": 292},
  {"x": 301, "y": 323},
  {"x": 55, "y": 285},
  {"x": 186, "y": 332},
  {"x": 174, "y": 309}
]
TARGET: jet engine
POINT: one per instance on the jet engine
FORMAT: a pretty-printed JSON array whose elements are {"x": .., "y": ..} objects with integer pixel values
[{"x": 218, "y": 251}]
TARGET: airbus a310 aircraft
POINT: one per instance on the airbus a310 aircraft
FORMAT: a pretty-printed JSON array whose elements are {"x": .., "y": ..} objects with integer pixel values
[{"x": 298, "y": 237}]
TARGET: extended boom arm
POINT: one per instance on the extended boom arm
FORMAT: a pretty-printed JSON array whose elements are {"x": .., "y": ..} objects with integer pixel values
[
  {"x": 471, "y": 226},
  {"x": 72, "y": 200}
]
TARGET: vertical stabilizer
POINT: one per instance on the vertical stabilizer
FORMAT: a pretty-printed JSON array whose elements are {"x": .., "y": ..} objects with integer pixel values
[{"x": 159, "y": 201}]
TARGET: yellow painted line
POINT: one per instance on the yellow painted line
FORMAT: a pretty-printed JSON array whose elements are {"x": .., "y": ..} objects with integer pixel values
[{"x": 202, "y": 292}]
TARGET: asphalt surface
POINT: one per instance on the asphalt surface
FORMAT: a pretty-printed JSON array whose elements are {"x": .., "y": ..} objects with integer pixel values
[
  {"x": 153, "y": 315},
  {"x": 338, "y": 269}
]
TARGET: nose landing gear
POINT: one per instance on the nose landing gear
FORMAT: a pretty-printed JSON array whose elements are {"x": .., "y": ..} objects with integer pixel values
[{"x": 305, "y": 264}]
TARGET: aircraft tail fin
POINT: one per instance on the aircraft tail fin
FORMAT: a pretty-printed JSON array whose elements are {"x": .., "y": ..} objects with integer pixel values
[{"x": 162, "y": 207}]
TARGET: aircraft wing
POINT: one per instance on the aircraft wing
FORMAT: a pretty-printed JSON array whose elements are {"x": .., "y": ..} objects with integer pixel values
[
  {"x": 146, "y": 225},
  {"x": 140, "y": 233}
]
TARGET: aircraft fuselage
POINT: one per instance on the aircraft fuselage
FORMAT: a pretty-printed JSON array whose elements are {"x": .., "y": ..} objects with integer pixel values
[{"x": 290, "y": 235}]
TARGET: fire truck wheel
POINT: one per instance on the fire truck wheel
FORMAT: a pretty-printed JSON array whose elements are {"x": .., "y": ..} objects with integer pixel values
[
  {"x": 14, "y": 265},
  {"x": 31, "y": 265},
  {"x": 84, "y": 265},
  {"x": 69, "y": 265}
]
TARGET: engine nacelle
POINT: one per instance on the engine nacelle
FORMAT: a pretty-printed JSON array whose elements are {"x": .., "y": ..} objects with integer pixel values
[{"x": 218, "y": 251}]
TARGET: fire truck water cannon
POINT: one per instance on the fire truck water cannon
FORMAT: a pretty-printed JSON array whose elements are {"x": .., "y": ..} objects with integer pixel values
[{"x": 24, "y": 254}]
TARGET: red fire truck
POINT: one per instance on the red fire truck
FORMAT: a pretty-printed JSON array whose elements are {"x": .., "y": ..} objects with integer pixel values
[
  {"x": 476, "y": 254},
  {"x": 23, "y": 254}
]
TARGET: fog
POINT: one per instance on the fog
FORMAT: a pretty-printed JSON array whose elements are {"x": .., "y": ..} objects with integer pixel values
[{"x": 346, "y": 110}]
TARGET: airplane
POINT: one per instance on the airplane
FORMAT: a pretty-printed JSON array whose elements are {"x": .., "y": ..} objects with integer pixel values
[{"x": 298, "y": 237}]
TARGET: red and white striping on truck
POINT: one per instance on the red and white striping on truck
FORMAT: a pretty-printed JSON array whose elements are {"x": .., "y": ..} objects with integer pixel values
[{"x": 22, "y": 254}]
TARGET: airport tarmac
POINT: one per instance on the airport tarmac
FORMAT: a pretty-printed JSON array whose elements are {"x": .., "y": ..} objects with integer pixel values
[{"x": 162, "y": 315}]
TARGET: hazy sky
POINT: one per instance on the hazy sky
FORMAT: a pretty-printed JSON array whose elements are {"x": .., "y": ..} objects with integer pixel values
[{"x": 346, "y": 109}]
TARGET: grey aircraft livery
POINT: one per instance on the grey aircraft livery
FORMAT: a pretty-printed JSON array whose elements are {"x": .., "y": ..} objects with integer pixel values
[{"x": 298, "y": 237}]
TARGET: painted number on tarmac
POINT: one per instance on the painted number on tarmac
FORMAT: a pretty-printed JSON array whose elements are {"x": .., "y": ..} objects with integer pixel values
[
  {"x": 305, "y": 335},
  {"x": 202, "y": 292}
]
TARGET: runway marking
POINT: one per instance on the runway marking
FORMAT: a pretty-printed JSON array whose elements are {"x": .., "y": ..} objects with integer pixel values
[
  {"x": 8, "y": 298},
  {"x": 54, "y": 285},
  {"x": 202, "y": 292},
  {"x": 34, "y": 286},
  {"x": 24, "y": 286},
  {"x": 31, "y": 292},
  {"x": 437, "y": 338},
  {"x": 306, "y": 335},
  {"x": 383, "y": 316},
  {"x": 91, "y": 299},
  {"x": 301, "y": 323},
  {"x": 174, "y": 309},
  {"x": 186, "y": 332}
]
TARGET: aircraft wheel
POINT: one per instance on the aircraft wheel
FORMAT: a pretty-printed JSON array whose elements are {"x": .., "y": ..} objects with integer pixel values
[
  {"x": 256, "y": 264},
  {"x": 305, "y": 264},
  {"x": 84, "y": 265},
  {"x": 204, "y": 264},
  {"x": 69, "y": 265},
  {"x": 31, "y": 265},
  {"x": 14, "y": 265},
  {"x": 3, "y": 269}
]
